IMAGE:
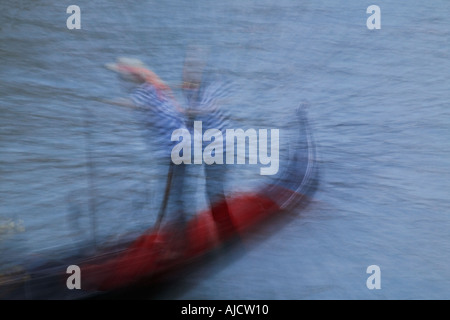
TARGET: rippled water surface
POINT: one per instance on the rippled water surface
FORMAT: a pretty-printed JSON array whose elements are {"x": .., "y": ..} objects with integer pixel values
[{"x": 379, "y": 112}]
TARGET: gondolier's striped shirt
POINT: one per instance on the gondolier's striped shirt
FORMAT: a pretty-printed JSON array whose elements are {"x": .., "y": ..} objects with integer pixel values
[
  {"x": 160, "y": 116},
  {"x": 205, "y": 104}
]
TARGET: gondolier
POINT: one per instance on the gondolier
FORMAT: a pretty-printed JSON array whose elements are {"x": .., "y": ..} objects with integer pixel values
[
  {"x": 202, "y": 96},
  {"x": 161, "y": 115}
]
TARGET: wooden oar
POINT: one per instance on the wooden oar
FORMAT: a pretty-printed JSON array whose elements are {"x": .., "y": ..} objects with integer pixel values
[{"x": 162, "y": 210}]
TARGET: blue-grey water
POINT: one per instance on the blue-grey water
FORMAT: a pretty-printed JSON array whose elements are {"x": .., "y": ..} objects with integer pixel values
[{"x": 379, "y": 112}]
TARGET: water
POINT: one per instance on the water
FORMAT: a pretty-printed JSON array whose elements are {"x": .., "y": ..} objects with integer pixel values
[{"x": 378, "y": 109}]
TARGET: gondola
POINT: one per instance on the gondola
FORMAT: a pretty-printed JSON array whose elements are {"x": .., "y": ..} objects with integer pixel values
[{"x": 151, "y": 256}]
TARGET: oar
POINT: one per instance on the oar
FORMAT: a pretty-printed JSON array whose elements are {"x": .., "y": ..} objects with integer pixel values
[
  {"x": 127, "y": 103},
  {"x": 162, "y": 210}
]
